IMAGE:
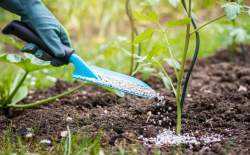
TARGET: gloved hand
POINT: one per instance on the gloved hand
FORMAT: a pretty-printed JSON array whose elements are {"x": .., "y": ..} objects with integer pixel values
[{"x": 39, "y": 18}]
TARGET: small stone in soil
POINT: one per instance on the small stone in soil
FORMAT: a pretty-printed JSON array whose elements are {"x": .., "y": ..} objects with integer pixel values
[
  {"x": 69, "y": 119},
  {"x": 23, "y": 131},
  {"x": 242, "y": 88},
  {"x": 248, "y": 126},
  {"x": 72, "y": 103},
  {"x": 64, "y": 133},
  {"x": 183, "y": 115},
  {"x": 201, "y": 120}
]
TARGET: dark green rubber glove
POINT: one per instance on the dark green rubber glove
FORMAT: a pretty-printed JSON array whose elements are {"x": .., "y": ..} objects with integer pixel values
[{"x": 39, "y": 18}]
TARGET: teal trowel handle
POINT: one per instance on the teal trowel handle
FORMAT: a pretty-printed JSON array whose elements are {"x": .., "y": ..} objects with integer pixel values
[{"x": 26, "y": 34}]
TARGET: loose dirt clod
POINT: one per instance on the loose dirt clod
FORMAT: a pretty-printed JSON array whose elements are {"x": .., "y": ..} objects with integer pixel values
[{"x": 64, "y": 133}]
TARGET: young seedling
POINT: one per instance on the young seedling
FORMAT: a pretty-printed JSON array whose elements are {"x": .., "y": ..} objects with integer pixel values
[
  {"x": 238, "y": 34},
  {"x": 232, "y": 10}
]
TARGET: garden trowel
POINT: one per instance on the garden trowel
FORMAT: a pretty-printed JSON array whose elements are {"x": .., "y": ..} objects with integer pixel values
[{"x": 82, "y": 70}]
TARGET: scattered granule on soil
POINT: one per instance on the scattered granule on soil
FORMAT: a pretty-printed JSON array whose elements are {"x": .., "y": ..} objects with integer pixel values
[
  {"x": 168, "y": 137},
  {"x": 121, "y": 84}
]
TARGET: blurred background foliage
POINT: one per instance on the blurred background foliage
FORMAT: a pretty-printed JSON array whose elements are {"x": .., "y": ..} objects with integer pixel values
[{"x": 100, "y": 32}]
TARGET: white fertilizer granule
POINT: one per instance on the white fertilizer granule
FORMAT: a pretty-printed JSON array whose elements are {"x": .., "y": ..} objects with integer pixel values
[
  {"x": 121, "y": 84},
  {"x": 168, "y": 137}
]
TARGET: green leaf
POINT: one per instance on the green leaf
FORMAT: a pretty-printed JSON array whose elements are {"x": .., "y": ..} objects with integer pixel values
[
  {"x": 167, "y": 84},
  {"x": 176, "y": 63},
  {"x": 179, "y": 22},
  {"x": 143, "y": 64},
  {"x": 107, "y": 49},
  {"x": 11, "y": 41},
  {"x": 153, "y": 3},
  {"x": 20, "y": 94},
  {"x": 109, "y": 52},
  {"x": 151, "y": 16},
  {"x": 144, "y": 35},
  {"x": 29, "y": 63},
  {"x": 232, "y": 10},
  {"x": 155, "y": 50},
  {"x": 220, "y": 3},
  {"x": 208, "y": 3},
  {"x": 139, "y": 58},
  {"x": 240, "y": 33},
  {"x": 175, "y": 3},
  {"x": 241, "y": 1},
  {"x": 5, "y": 87},
  {"x": 146, "y": 72},
  {"x": 117, "y": 92},
  {"x": 172, "y": 41}
]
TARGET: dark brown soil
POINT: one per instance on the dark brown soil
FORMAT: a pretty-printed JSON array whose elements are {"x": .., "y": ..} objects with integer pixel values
[{"x": 213, "y": 105}]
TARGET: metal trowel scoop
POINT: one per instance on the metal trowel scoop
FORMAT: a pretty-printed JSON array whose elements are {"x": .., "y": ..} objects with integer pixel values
[{"x": 82, "y": 71}]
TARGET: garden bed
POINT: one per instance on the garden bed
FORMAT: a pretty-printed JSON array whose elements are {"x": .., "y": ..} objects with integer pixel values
[{"x": 213, "y": 104}]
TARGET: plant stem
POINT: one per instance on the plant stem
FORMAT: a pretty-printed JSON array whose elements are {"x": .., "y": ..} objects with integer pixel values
[
  {"x": 208, "y": 23},
  {"x": 16, "y": 89},
  {"x": 129, "y": 13},
  {"x": 232, "y": 49},
  {"x": 183, "y": 61},
  {"x": 132, "y": 46},
  {"x": 24, "y": 106},
  {"x": 171, "y": 55},
  {"x": 166, "y": 75}
]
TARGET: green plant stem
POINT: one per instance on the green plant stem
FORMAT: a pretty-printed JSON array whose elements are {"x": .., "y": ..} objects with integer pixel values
[
  {"x": 166, "y": 75},
  {"x": 232, "y": 49},
  {"x": 24, "y": 106},
  {"x": 132, "y": 46},
  {"x": 208, "y": 23},
  {"x": 183, "y": 61},
  {"x": 129, "y": 13},
  {"x": 16, "y": 89},
  {"x": 171, "y": 55}
]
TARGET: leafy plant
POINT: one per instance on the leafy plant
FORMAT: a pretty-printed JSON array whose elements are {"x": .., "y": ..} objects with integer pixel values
[
  {"x": 232, "y": 10},
  {"x": 237, "y": 34},
  {"x": 13, "y": 92}
]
